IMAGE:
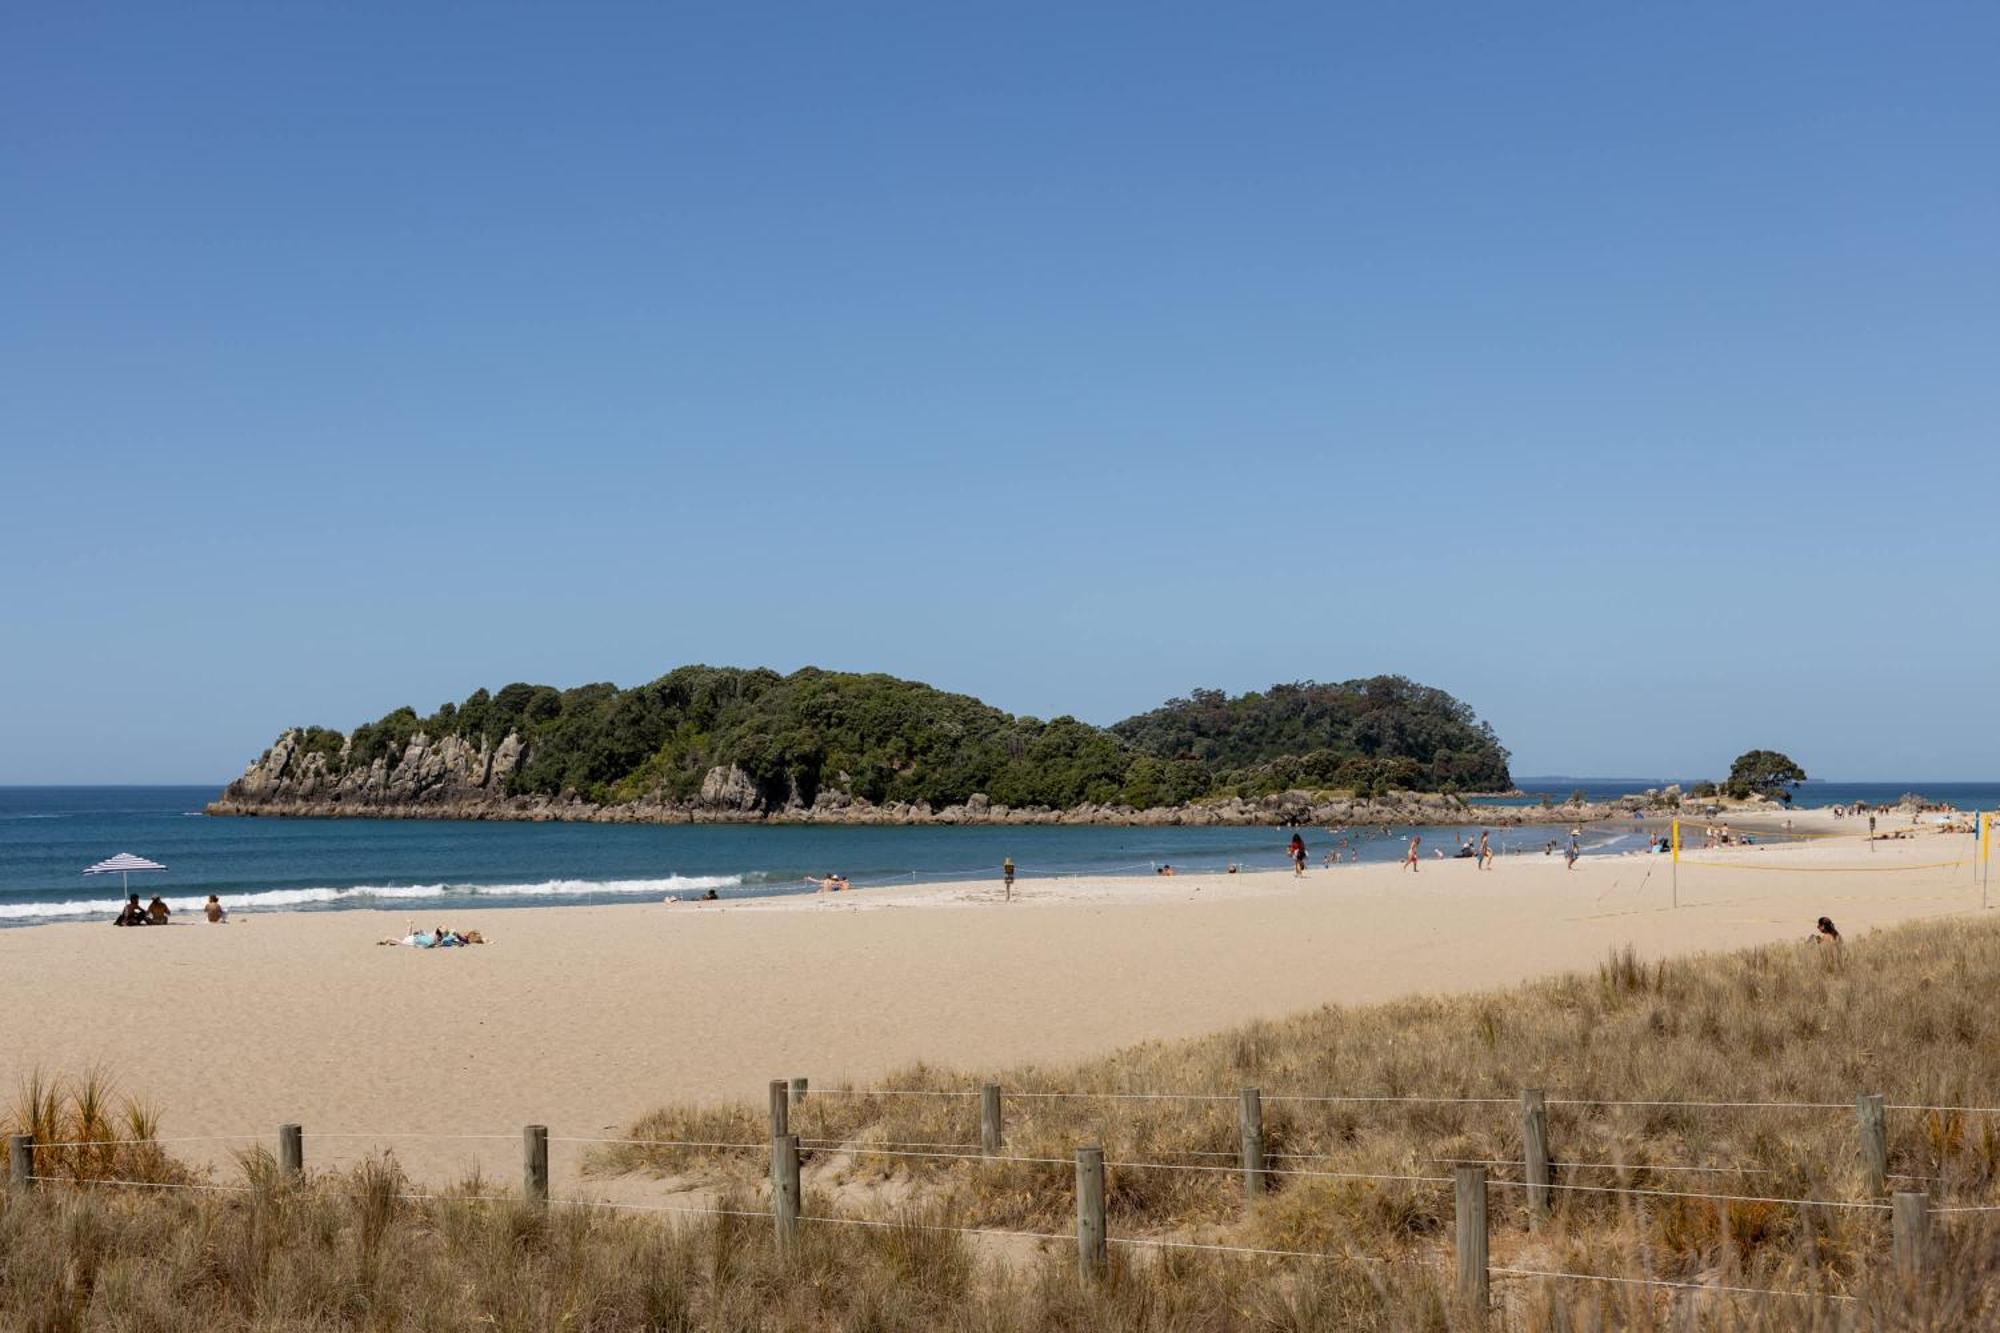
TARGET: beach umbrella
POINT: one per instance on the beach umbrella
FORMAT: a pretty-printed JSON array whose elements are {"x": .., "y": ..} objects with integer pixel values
[{"x": 124, "y": 865}]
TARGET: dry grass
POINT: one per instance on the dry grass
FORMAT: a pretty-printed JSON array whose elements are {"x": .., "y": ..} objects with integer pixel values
[
  {"x": 1901, "y": 1016},
  {"x": 86, "y": 1132},
  {"x": 357, "y": 1251},
  {"x": 354, "y": 1251}
]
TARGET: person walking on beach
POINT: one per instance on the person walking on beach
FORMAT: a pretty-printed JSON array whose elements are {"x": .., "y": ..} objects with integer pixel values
[
  {"x": 1410, "y": 856},
  {"x": 1298, "y": 851},
  {"x": 1485, "y": 850},
  {"x": 1571, "y": 852},
  {"x": 1007, "y": 877}
]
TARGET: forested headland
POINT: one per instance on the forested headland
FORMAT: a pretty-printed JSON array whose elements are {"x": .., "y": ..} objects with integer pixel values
[{"x": 753, "y": 740}]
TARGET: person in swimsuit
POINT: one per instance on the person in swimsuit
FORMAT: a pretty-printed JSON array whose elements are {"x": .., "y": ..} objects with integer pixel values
[
  {"x": 215, "y": 911},
  {"x": 1485, "y": 851},
  {"x": 1410, "y": 857}
]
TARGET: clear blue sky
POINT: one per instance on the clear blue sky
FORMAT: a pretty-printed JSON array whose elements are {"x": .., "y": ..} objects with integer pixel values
[{"x": 1630, "y": 371}]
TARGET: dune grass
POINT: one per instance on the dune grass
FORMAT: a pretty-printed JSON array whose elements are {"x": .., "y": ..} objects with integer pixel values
[{"x": 1903, "y": 1015}]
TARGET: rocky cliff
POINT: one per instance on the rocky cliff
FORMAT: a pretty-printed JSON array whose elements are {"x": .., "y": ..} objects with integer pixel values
[{"x": 451, "y": 778}]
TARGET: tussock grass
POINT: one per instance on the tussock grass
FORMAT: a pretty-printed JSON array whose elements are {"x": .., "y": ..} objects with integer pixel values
[
  {"x": 362, "y": 1250},
  {"x": 86, "y": 1131},
  {"x": 1900, "y": 1014}
]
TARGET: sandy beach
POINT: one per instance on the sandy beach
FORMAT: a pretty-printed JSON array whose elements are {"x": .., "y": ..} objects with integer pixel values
[{"x": 582, "y": 1018}]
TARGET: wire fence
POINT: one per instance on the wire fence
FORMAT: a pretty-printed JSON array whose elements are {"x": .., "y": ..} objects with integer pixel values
[
  {"x": 1257, "y": 1169},
  {"x": 972, "y": 1153},
  {"x": 1152, "y": 1243}
]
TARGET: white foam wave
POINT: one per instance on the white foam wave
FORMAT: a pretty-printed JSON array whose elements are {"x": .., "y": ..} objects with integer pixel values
[{"x": 364, "y": 894}]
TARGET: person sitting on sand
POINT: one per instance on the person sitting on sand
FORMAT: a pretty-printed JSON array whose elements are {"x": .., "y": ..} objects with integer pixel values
[
  {"x": 131, "y": 914},
  {"x": 710, "y": 897},
  {"x": 1233, "y": 868},
  {"x": 156, "y": 911},
  {"x": 213, "y": 909},
  {"x": 1163, "y": 870}
]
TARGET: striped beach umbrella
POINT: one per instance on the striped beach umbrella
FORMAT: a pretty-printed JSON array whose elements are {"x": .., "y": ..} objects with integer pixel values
[{"x": 124, "y": 865}]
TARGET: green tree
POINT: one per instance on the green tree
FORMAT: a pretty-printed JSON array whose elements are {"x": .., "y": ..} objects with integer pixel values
[{"x": 1764, "y": 773}]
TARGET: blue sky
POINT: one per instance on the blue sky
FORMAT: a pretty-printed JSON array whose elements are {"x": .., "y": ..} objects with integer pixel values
[{"x": 1627, "y": 371}]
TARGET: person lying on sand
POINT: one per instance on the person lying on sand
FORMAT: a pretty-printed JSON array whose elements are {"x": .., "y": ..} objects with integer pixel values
[
  {"x": 710, "y": 897},
  {"x": 438, "y": 938}
]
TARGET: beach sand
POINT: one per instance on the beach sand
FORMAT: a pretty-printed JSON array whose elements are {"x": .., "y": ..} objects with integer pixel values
[{"x": 582, "y": 1018}]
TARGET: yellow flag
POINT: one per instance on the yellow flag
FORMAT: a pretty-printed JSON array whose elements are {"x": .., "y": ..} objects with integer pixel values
[{"x": 1677, "y": 842}]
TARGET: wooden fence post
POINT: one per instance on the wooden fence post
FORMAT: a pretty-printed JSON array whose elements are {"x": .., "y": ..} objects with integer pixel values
[
  {"x": 291, "y": 1152},
  {"x": 1874, "y": 1124},
  {"x": 781, "y": 1102},
  {"x": 1473, "y": 1278},
  {"x": 1091, "y": 1248},
  {"x": 20, "y": 1162},
  {"x": 799, "y": 1090},
  {"x": 535, "y": 1164},
  {"x": 1535, "y": 1153},
  {"x": 992, "y": 1136},
  {"x": 785, "y": 1188},
  {"x": 1251, "y": 1122},
  {"x": 1911, "y": 1242}
]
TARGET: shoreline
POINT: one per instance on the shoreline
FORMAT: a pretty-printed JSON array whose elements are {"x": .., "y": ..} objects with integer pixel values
[
  {"x": 586, "y": 1017},
  {"x": 754, "y": 877}
]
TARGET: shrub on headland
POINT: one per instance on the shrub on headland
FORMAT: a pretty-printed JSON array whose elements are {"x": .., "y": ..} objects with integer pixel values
[{"x": 888, "y": 740}]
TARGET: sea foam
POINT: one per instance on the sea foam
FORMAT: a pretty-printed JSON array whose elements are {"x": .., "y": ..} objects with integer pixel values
[{"x": 367, "y": 895}]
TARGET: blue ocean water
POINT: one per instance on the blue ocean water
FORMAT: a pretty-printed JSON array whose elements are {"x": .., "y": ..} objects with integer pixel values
[
  {"x": 49, "y": 834},
  {"x": 1807, "y": 796}
]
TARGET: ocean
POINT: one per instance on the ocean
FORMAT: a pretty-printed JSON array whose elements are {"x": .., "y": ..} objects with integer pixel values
[{"x": 49, "y": 834}]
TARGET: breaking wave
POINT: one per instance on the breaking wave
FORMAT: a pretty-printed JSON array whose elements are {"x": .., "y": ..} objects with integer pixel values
[{"x": 371, "y": 895}]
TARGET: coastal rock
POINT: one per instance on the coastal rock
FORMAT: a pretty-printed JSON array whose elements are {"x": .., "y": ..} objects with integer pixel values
[
  {"x": 728, "y": 789},
  {"x": 457, "y": 778}
]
